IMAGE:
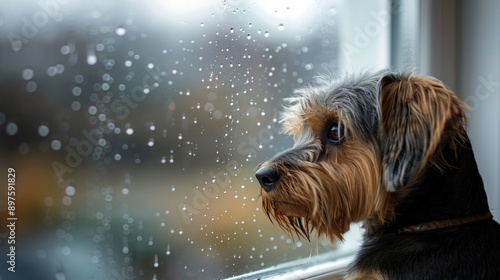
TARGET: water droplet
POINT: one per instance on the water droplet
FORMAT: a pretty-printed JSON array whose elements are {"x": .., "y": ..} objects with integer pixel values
[
  {"x": 168, "y": 250},
  {"x": 28, "y": 74},
  {"x": 43, "y": 130},
  {"x": 120, "y": 31},
  {"x": 11, "y": 129},
  {"x": 70, "y": 190},
  {"x": 76, "y": 91},
  {"x": 51, "y": 71},
  {"x": 91, "y": 59},
  {"x": 66, "y": 250},
  {"x": 65, "y": 50},
  {"x": 55, "y": 145},
  {"x": 59, "y": 68},
  {"x": 60, "y": 276},
  {"x": 281, "y": 27},
  {"x": 155, "y": 264},
  {"x": 76, "y": 106},
  {"x": 31, "y": 86},
  {"x": 266, "y": 34},
  {"x": 129, "y": 131},
  {"x": 67, "y": 201}
]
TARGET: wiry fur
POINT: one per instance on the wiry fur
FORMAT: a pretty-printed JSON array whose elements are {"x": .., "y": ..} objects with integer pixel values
[
  {"x": 405, "y": 160},
  {"x": 427, "y": 115}
]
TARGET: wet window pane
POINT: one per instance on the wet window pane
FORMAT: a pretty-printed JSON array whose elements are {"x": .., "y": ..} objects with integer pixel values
[{"x": 134, "y": 127}]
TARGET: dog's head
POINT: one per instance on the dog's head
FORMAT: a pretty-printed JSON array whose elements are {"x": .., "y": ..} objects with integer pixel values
[{"x": 360, "y": 143}]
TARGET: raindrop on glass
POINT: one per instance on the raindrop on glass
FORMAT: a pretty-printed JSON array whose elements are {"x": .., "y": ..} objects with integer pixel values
[
  {"x": 11, "y": 129},
  {"x": 55, "y": 145},
  {"x": 31, "y": 86},
  {"x": 28, "y": 74},
  {"x": 65, "y": 50},
  {"x": 43, "y": 130},
  {"x": 59, "y": 68},
  {"x": 60, "y": 276},
  {"x": 76, "y": 106},
  {"x": 76, "y": 91},
  {"x": 155, "y": 264},
  {"x": 70, "y": 190},
  {"x": 91, "y": 59},
  {"x": 92, "y": 110},
  {"x": 66, "y": 201},
  {"x": 120, "y": 31},
  {"x": 66, "y": 250}
]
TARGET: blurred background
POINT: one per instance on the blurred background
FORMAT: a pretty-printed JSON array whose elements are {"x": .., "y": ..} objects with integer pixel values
[{"x": 134, "y": 127}]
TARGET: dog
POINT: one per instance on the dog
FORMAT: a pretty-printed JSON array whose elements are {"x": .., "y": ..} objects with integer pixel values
[{"x": 390, "y": 150}]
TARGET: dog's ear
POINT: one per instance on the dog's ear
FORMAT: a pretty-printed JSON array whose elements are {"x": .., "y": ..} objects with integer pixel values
[{"x": 416, "y": 114}]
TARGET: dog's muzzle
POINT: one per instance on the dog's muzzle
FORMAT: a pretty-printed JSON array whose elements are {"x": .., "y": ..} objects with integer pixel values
[{"x": 268, "y": 177}]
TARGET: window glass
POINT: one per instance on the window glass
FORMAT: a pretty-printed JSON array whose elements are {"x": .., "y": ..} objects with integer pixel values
[{"x": 134, "y": 127}]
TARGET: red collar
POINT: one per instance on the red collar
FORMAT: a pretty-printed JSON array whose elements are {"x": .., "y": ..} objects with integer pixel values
[{"x": 446, "y": 223}]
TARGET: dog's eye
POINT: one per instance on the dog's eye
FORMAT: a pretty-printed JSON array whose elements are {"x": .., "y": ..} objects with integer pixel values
[{"x": 336, "y": 133}]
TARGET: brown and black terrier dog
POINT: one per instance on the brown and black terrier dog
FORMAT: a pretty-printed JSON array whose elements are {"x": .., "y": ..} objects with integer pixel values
[{"x": 389, "y": 150}]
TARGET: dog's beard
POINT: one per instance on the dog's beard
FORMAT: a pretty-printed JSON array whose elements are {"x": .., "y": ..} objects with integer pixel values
[{"x": 328, "y": 197}]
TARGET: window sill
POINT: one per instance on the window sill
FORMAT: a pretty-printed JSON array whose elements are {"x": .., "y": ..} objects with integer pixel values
[
  {"x": 331, "y": 265},
  {"x": 319, "y": 267}
]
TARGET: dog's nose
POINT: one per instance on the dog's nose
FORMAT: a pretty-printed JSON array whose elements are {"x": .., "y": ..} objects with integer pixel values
[{"x": 268, "y": 177}]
